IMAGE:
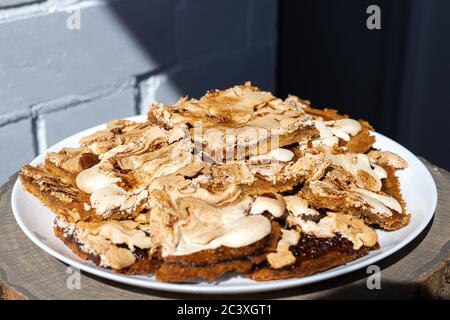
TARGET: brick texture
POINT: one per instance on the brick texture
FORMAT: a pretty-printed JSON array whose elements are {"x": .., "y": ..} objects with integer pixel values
[
  {"x": 41, "y": 59},
  {"x": 15, "y": 3},
  {"x": 61, "y": 124},
  {"x": 16, "y": 144}
]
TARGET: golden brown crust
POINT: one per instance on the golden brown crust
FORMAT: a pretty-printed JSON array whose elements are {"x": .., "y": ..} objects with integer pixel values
[
  {"x": 142, "y": 266},
  {"x": 308, "y": 267},
  {"x": 238, "y": 122},
  {"x": 391, "y": 186},
  {"x": 75, "y": 246},
  {"x": 211, "y": 264},
  {"x": 69, "y": 162},
  {"x": 345, "y": 203},
  {"x": 313, "y": 255},
  {"x": 58, "y": 196},
  {"x": 61, "y": 196},
  {"x": 326, "y": 114},
  {"x": 363, "y": 141}
]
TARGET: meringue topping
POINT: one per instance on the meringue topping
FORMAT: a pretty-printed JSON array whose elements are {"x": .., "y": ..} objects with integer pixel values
[
  {"x": 202, "y": 226},
  {"x": 333, "y": 130},
  {"x": 276, "y": 206},
  {"x": 368, "y": 176},
  {"x": 96, "y": 178},
  {"x": 298, "y": 206},
  {"x": 380, "y": 202},
  {"x": 283, "y": 256},
  {"x": 279, "y": 154},
  {"x": 348, "y": 227}
]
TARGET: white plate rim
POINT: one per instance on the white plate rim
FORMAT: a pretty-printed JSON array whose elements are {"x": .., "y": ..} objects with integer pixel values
[{"x": 229, "y": 289}]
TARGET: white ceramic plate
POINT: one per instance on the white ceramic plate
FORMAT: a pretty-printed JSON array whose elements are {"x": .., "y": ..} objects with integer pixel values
[{"x": 418, "y": 189}]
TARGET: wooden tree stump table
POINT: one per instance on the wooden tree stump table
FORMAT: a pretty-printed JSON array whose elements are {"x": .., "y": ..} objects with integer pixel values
[{"x": 419, "y": 270}]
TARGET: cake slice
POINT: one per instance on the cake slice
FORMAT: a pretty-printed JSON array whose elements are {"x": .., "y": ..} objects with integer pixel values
[
  {"x": 314, "y": 241},
  {"x": 237, "y": 123},
  {"x": 123, "y": 246},
  {"x": 353, "y": 184}
]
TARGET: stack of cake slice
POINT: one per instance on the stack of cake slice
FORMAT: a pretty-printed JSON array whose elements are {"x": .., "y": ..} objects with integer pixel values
[{"x": 237, "y": 181}]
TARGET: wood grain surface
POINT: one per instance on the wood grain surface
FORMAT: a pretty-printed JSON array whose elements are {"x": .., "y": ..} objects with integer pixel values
[{"x": 420, "y": 270}]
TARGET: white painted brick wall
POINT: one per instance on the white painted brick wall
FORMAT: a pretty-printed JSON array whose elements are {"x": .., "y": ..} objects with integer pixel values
[
  {"x": 15, "y": 3},
  {"x": 128, "y": 53},
  {"x": 17, "y": 146},
  {"x": 41, "y": 59},
  {"x": 115, "y": 106}
]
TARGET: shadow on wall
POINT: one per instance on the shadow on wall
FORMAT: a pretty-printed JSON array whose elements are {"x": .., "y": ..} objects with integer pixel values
[
  {"x": 203, "y": 45},
  {"x": 396, "y": 77}
]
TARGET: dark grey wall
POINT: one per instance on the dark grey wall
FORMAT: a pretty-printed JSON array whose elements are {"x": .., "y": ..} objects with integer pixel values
[{"x": 398, "y": 77}]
